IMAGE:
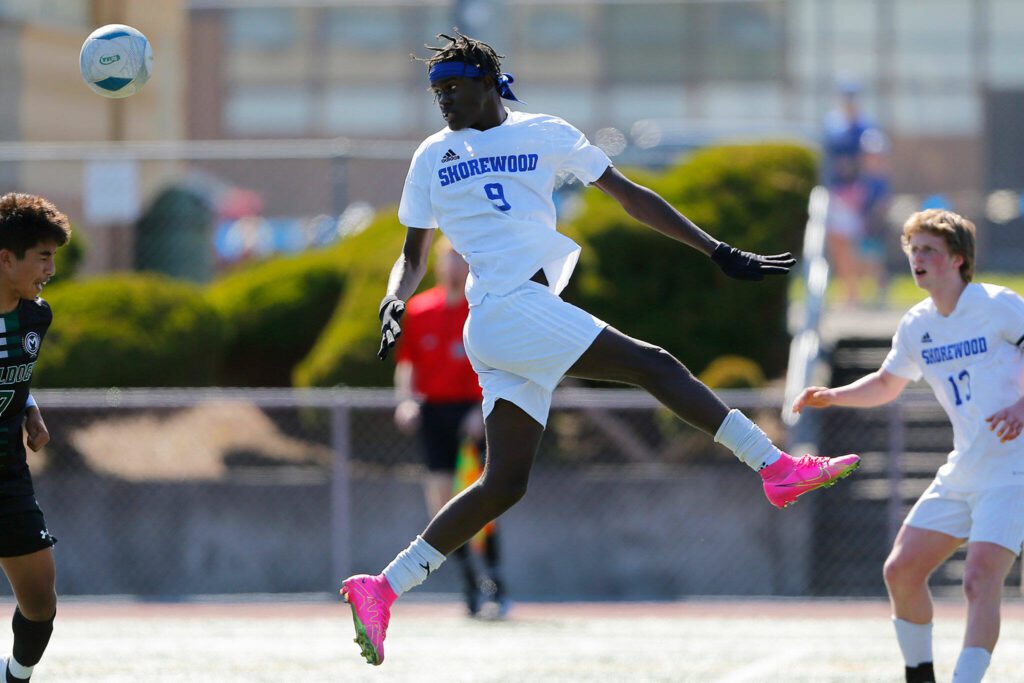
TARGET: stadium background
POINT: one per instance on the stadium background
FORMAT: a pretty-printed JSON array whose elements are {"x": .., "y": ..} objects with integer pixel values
[{"x": 274, "y": 128}]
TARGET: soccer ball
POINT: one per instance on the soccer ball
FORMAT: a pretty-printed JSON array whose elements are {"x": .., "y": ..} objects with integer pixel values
[{"x": 116, "y": 60}]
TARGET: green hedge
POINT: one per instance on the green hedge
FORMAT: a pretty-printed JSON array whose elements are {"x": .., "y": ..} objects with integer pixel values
[
  {"x": 755, "y": 198},
  {"x": 274, "y": 311},
  {"x": 130, "y": 330},
  {"x": 68, "y": 258},
  {"x": 346, "y": 352},
  {"x": 311, "y": 320}
]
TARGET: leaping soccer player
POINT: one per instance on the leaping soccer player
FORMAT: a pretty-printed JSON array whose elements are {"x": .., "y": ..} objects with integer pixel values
[
  {"x": 965, "y": 339},
  {"x": 486, "y": 180}
]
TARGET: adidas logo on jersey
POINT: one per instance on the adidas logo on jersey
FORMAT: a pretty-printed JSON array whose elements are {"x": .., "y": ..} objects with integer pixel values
[
  {"x": 926, "y": 339},
  {"x": 450, "y": 155}
]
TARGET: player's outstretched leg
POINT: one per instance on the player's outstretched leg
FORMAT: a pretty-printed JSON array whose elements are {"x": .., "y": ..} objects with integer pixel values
[
  {"x": 370, "y": 598},
  {"x": 618, "y": 358}
]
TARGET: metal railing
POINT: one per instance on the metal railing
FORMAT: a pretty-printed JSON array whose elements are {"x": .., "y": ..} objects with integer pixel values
[{"x": 209, "y": 491}]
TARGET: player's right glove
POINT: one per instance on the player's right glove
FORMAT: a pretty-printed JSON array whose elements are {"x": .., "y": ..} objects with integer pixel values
[
  {"x": 744, "y": 265},
  {"x": 391, "y": 311}
]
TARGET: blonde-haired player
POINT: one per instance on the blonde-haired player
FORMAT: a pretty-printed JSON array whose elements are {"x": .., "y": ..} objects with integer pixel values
[{"x": 965, "y": 340}]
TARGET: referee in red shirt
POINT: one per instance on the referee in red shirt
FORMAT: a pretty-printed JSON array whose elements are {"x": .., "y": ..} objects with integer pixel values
[{"x": 440, "y": 399}]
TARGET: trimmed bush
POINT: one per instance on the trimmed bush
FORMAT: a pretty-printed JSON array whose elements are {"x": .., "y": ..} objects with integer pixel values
[
  {"x": 346, "y": 352},
  {"x": 273, "y": 312},
  {"x": 130, "y": 330},
  {"x": 753, "y": 197}
]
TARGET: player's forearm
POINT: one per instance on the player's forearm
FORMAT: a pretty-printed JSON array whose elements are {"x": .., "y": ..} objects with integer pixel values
[
  {"x": 403, "y": 381},
  {"x": 405, "y": 277},
  {"x": 867, "y": 392},
  {"x": 651, "y": 209}
]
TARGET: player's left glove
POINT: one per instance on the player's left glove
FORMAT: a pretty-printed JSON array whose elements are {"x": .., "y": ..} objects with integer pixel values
[
  {"x": 744, "y": 265},
  {"x": 391, "y": 311}
]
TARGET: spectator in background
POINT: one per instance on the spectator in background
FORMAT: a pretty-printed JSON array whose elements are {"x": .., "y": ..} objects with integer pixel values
[
  {"x": 440, "y": 398},
  {"x": 874, "y": 147},
  {"x": 851, "y": 202}
]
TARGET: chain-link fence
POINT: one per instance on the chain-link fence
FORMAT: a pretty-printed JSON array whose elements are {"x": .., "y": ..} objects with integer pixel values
[{"x": 175, "y": 493}]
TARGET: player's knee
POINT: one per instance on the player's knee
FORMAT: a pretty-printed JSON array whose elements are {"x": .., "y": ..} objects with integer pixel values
[
  {"x": 505, "y": 491},
  {"x": 899, "y": 571},
  {"x": 39, "y": 606},
  {"x": 653, "y": 363},
  {"x": 980, "y": 583}
]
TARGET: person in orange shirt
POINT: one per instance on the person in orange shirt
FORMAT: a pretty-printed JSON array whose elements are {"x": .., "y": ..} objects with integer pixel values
[{"x": 439, "y": 398}]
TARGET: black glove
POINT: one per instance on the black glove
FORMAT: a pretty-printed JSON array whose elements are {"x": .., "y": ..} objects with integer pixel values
[
  {"x": 391, "y": 311},
  {"x": 743, "y": 265}
]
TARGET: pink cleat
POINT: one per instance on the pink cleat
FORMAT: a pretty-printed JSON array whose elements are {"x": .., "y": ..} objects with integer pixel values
[
  {"x": 370, "y": 598},
  {"x": 788, "y": 478}
]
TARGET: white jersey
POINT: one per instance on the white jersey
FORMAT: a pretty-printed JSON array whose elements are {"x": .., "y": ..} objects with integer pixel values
[
  {"x": 973, "y": 361},
  {"x": 491, "y": 191}
]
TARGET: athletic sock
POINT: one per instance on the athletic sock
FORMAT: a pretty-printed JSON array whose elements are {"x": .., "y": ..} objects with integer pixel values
[
  {"x": 30, "y": 641},
  {"x": 412, "y": 566},
  {"x": 972, "y": 664},
  {"x": 915, "y": 641},
  {"x": 746, "y": 440}
]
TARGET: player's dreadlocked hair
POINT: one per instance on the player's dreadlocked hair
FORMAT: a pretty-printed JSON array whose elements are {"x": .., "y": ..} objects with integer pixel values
[
  {"x": 462, "y": 48},
  {"x": 27, "y": 220}
]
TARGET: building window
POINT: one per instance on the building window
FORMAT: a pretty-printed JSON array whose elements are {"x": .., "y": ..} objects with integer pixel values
[{"x": 262, "y": 28}]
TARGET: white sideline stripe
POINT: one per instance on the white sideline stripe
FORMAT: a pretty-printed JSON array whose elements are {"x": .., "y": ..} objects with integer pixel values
[{"x": 756, "y": 671}]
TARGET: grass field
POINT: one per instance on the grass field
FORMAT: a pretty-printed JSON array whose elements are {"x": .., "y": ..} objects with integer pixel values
[{"x": 705, "y": 641}]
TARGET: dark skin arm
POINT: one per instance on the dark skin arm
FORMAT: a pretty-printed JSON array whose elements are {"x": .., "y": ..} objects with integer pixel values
[
  {"x": 411, "y": 266},
  {"x": 649, "y": 208},
  {"x": 406, "y": 275}
]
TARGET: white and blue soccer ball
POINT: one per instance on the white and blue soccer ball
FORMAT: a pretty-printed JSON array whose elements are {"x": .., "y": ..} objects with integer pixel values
[{"x": 116, "y": 60}]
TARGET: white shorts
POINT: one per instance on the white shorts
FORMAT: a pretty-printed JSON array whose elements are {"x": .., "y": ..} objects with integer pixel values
[
  {"x": 522, "y": 343},
  {"x": 991, "y": 515}
]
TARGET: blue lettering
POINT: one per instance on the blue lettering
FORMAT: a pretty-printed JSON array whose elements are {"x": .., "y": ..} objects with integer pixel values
[
  {"x": 509, "y": 163},
  {"x": 961, "y": 349}
]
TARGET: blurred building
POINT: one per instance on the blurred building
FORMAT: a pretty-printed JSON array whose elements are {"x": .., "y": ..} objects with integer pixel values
[
  {"x": 943, "y": 77},
  {"x": 46, "y": 107},
  {"x": 647, "y": 78}
]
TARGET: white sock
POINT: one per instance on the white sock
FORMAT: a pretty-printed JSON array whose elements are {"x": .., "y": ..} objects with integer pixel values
[
  {"x": 972, "y": 664},
  {"x": 915, "y": 641},
  {"x": 412, "y": 566},
  {"x": 746, "y": 440},
  {"x": 19, "y": 670}
]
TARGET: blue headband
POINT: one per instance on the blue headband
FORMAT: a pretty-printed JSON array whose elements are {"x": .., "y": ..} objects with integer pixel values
[{"x": 444, "y": 70}]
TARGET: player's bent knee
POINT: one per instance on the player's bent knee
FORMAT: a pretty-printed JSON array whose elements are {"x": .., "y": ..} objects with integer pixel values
[
  {"x": 39, "y": 607},
  {"x": 980, "y": 584},
  {"x": 899, "y": 571},
  {"x": 653, "y": 364},
  {"x": 505, "y": 492}
]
